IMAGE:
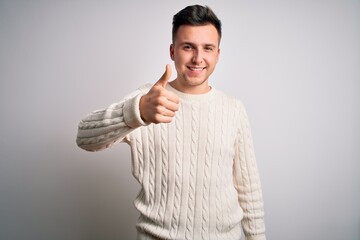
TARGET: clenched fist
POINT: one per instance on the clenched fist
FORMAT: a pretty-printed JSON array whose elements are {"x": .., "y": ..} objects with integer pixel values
[{"x": 159, "y": 105}]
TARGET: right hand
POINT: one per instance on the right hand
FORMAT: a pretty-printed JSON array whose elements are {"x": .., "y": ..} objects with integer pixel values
[{"x": 159, "y": 105}]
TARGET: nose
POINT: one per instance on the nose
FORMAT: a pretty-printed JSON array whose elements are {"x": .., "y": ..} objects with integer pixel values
[{"x": 197, "y": 57}]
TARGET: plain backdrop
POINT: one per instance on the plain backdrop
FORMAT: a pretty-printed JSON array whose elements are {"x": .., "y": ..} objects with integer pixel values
[{"x": 294, "y": 64}]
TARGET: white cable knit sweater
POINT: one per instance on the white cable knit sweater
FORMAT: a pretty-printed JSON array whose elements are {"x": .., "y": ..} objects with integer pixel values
[{"x": 198, "y": 174}]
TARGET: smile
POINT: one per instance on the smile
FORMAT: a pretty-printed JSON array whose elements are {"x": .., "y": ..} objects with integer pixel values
[{"x": 196, "y": 68}]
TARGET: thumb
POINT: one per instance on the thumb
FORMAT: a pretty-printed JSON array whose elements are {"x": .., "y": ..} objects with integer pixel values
[{"x": 165, "y": 77}]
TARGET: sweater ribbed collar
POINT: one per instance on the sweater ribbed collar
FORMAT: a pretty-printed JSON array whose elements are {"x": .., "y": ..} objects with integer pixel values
[{"x": 192, "y": 97}]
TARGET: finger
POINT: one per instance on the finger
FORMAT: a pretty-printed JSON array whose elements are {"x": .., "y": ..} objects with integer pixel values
[
  {"x": 165, "y": 109},
  {"x": 171, "y": 106},
  {"x": 160, "y": 118},
  {"x": 168, "y": 113},
  {"x": 165, "y": 119},
  {"x": 165, "y": 77},
  {"x": 171, "y": 96}
]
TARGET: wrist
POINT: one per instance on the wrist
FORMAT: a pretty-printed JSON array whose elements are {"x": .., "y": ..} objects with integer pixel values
[
  {"x": 132, "y": 116},
  {"x": 142, "y": 108}
]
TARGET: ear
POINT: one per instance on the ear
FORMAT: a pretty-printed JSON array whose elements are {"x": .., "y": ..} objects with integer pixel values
[{"x": 172, "y": 51}]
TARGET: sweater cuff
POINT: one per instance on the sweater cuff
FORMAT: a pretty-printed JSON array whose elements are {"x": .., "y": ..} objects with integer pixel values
[
  {"x": 131, "y": 111},
  {"x": 256, "y": 237}
]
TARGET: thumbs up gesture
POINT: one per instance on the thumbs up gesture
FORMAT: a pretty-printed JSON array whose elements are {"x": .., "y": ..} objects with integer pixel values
[{"x": 159, "y": 105}]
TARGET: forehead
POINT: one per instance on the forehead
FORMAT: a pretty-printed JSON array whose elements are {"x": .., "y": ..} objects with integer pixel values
[{"x": 205, "y": 34}]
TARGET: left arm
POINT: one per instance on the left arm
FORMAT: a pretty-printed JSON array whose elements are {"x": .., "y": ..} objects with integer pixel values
[{"x": 247, "y": 181}]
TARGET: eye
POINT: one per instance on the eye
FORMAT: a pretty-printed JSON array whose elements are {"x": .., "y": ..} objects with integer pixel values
[
  {"x": 187, "y": 47},
  {"x": 209, "y": 48}
]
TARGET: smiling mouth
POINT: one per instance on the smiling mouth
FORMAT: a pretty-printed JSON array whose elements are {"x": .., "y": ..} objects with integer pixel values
[{"x": 196, "y": 68}]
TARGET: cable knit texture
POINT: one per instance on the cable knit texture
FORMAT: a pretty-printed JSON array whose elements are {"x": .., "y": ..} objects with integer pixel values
[{"x": 198, "y": 174}]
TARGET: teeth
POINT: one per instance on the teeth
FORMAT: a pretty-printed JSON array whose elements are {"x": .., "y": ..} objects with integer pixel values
[{"x": 196, "y": 69}]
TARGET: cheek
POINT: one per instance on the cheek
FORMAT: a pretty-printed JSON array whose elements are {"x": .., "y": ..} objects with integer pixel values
[
  {"x": 214, "y": 59},
  {"x": 180, "y": 58}
]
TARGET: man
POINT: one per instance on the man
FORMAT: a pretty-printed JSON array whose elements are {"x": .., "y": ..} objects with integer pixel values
[{"x": 191, "y": 144}]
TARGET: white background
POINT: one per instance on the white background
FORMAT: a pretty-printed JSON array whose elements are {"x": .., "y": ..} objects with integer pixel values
[{"x": 295, "y": 65}]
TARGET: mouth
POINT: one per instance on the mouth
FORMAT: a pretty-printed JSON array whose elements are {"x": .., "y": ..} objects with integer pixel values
[{"x": 196, "y": 69}]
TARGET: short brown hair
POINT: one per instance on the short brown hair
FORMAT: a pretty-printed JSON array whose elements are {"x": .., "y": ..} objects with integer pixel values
[{"x": 195, "y": 15}]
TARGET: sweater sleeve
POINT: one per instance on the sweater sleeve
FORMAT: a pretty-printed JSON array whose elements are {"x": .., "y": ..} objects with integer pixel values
[
  {"x": 247, "y": 181},
  {"x": 102, "y": 128}
]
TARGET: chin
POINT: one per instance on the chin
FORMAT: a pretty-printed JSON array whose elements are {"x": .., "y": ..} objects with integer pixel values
[
  {"x": 191, "y": 81},
  {"x": 195, "y": 83}
]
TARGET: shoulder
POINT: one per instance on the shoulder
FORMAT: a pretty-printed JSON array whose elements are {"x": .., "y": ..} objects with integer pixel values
[
  {"x": 229, "y": 99},
  {"x": 141, "y": 90},
  {"x": 145, "y": 88}
]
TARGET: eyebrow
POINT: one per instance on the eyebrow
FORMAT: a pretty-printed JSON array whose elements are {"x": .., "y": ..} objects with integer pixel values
[{"x": 192, "y": 44}]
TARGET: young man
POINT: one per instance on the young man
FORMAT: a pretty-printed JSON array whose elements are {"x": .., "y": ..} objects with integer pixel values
[{"x": 191, "y": 144}]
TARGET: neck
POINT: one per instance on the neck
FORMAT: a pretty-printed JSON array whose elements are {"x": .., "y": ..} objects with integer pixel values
[{"x": 191, "y": 89}]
